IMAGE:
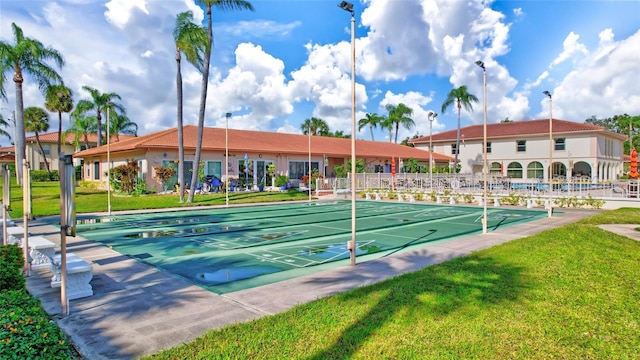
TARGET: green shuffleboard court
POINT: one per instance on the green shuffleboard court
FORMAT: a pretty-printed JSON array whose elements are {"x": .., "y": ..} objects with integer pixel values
[{"x": 230, "y": 249}]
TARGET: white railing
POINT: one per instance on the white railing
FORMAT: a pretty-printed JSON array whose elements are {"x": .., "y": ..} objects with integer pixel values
[{"x": 474, "y": 184}]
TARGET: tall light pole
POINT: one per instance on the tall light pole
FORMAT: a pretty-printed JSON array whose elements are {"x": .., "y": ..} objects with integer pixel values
[
  {"x": 309, "y": 179},
  {"x": 484, "y": 147},
  {"x": 431, "y": 116},
  {"x": 550, "y": 209},
  {"x": 108, "y": 163},
  {"x": 246, "y": 171},
  {"x": 226, "y": 160},
  {"x": 347, "y": 6}
]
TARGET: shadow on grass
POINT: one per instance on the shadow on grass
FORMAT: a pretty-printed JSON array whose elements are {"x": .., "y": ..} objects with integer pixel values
[{"x": 431, "y": 292}]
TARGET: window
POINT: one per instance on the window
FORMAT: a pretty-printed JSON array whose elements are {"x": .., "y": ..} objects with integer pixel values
[
  {"x": 378, "y": 168},
  {"x": 47, "y": 149},
  {"x": 298, "y": 169},
  {"x": 213, "y": 168},
  {"x": 496, "y": 168},
  {"x": 514, "y": 170},
  {"x": 535, "y": 170},
  {"x": 521, "y": 145},
  {"x": 560, "y": 143},
  {"x": 96, "y": 170},
  {"x": 488, "y": 147},
  {"x": 453, "y": 149}
]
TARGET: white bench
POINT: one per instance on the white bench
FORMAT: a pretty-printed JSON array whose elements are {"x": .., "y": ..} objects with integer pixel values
[
  {"x": 79, "y": 275},
  {"x": 41, "y": 251},
  {"x": 15, "y": 235}
]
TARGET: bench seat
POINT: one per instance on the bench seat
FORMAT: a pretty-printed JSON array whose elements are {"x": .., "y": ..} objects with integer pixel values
[
  {"x": 79, "y": 275},
  {"x": 41, "y": 251}
]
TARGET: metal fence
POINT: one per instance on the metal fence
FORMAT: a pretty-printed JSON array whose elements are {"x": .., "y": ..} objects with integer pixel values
[{"x": 474, "y": 184}]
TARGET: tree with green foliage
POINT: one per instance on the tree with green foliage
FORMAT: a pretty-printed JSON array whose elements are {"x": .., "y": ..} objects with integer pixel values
[
  {"x": 223, "y": 5},
  {"x": 99, "y": 103},
  {"x": 121, "y": 124},
  {"x": 58, "y": 98},
  {"x": 621, "y": 124},
  {"x": 3, "y": 125},
  {"x": 36, "y": 120},
  {"x": 190, "y": 40},
  {"x": 372, "y": 120},
  {"x": 26, "y": 56},
  {"x": 400, "y": 115},
  {"x": 317, "y": 126},
  {"x": 462, "y": 98},
  {"x": 81, "y": 126}
]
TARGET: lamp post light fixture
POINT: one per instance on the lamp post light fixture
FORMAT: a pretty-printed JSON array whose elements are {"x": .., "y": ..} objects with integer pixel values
[
  {"x": 347, "y": 6},
  {"x": 226, "y": 159},
  {"x": 431, "y": 116},
  {"x": 550, "y": 174},
  {"x": 484, "y": 147}
]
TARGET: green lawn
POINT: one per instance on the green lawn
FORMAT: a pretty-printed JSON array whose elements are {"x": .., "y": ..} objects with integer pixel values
[
  {"x": 570, "y": 293},
  {"x": 45, "y": 199}
]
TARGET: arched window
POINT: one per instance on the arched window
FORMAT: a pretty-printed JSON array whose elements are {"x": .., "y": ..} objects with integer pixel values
[
  {"x": 535, "y": 170},
  {"x": 514, "y": 170},
  {"x": 495, "y": 169}
]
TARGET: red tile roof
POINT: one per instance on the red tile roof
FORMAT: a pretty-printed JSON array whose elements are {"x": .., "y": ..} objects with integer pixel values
[
  {"x": 68, "y": 139},
  {"x": 514, "y": 128},
  {"x": 264, "y": 142}
]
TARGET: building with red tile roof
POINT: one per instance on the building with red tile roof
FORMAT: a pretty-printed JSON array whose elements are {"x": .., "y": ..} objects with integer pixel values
[
  {"x": 520, "y": 150},
  {"x": 288, "y": 152},
  {"x": 49, "y": 142}
]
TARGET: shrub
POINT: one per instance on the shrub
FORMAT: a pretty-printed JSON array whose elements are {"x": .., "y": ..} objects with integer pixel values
[
  {"x": 43, "y": 175},
  {"x": 88, "y": 184},
  {"x": 163, "y": 174},
  {"x": 27, "y": 332},
  {"x": 125, "y": 177},
  {"x": 11, "y": 263},
  {"x": 281, "y": 180}
]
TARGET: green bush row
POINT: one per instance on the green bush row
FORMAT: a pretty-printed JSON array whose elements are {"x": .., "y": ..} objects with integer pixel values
[
  {"x": 43, "y": 175},
  {"x": 26, "y": 330}
]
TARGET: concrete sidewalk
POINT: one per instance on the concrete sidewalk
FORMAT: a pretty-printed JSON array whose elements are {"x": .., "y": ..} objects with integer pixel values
[{"x": 138, "y": 310}]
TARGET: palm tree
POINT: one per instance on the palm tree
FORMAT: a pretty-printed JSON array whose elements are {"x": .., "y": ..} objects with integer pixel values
[
  {"x": 120, "y": 124},
  {"x": 82, "y": 126},
  {"x": 461, "y": 97},
  {"x": 4, "y": 124},
  {"x": 190, "y": 39},
  {"x": 58, "y": 99},
  {"x": 98, "y": 103},
  {"x": 387, "y": 123},
  {"x": 316, "y": 125},
  {"x": 370, "y": 120},
  {"x": 223, "y": 5},
  {"x": 399, "y": 115},
  {"x": 36, "y": 120},
  {"x": 26, "y": 56}
]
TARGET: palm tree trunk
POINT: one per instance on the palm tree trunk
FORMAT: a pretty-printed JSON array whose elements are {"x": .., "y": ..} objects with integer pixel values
[
  {"x": 44, "y": 157},
  {"x": 397, "y": 127},
  {"x": 371, "y": 129},
  {"x": 20, "y": 134},
  {"x": 180, "y": 130},
  {"x": 99, "y": 127},
  {"x": 203, "y": 103},
  {"x": 59, "y": 132}
]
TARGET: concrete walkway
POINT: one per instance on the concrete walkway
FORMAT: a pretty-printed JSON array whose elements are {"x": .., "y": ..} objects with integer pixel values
[{"x": 137, "y": 310}]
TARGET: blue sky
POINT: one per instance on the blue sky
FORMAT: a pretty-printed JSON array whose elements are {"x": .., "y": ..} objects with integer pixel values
[{"x": 290, "y": 60}]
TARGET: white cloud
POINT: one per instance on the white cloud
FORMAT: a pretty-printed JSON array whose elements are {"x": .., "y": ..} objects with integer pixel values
[
  {"x": 570, "y": 48},
  {"x": 604, "y": 84},
  {"x": 119, "y": 11}
]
